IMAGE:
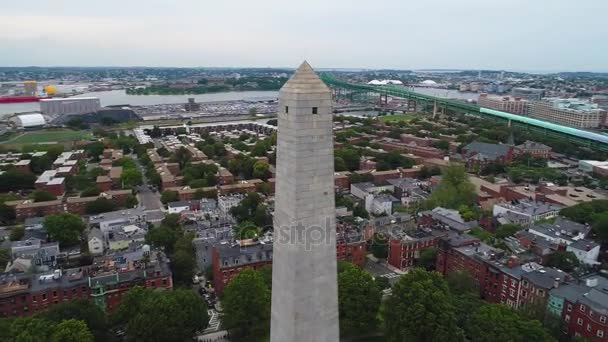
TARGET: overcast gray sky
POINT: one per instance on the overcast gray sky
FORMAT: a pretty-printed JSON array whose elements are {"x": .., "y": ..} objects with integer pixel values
[{"x": 528, "y": 35}]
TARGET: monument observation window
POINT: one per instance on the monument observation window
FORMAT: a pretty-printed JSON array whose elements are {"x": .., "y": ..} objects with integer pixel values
[{"x": 315, "y": 110}]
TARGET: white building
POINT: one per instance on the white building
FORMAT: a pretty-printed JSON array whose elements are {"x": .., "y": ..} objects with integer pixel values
[
  {"x": 524, "y": 212},
  {"x": 178, "y": 207},
  {"x": 380, "y": 204},
  {"x": 70, "y": 106},
  {"x": 225, "y": 203},
  {"x": 361, "y": 190},
  {"x": 95, "y": 242}
]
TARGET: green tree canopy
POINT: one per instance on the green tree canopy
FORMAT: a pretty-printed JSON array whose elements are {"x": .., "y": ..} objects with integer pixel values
[
  {"x": 169, "y": 196},
  {"x": 17, "y": 233},
  {"x": 100, "y": 205},
  {"x": 42, "y": 196},
  {"x": 246, "y": 304},
  {"x": 358, "y": 301},
  {"x": 454, "y": 190},
  {"x": 421, "y": 309},
  {"x": 566, "y": 261},
  {"x": 71, "y": 330},
  {"x": 158, "y": 316},
  {"x": 64, "y": 228},
  {"x": 131, "y": 178},
  {"x": 83, "y": 310},
  {"x": 260, "y": 169},
  {"x": 427, "y": 259},
  {"x": 495, "y": 322},
  {"x": 30, "y": 329}
]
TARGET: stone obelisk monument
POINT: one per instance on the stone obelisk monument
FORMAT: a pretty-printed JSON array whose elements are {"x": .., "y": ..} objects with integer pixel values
[{"x": 304, "y": 279}]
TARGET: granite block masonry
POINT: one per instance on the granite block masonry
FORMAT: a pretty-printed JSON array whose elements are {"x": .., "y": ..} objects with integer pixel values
[{"x": 304, "y": 272}]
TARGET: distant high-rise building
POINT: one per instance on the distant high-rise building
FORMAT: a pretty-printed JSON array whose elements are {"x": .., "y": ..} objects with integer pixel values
[
  {"x": 304, "y": 271},
  {"x": 508, "y": 104}
]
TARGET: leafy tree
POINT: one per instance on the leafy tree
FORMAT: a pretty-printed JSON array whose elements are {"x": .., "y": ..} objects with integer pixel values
[
  {"x": 350, "y": 157},
  {"x": 5, "y": 257},
  {"x": 65, "y": 228},
  {"x": 7, "y": 213},
  {"x": 72, "y": 330},
  {"x": 94, "y": 149},
  {"x": 421, "y": 309},
  {"x": 495, "y": 322},
  {"x": 442, "y": 145},
  {"x": 162, "y": 237},
  {"x": 454, "y": 190},
  {"x": 260, "y": 148},
  {"x": 125, "y": 162},
  {"x": 507, "y": 230},
  {"x": 100, "y": 205},
  {"x": 427, "y": 259},
  {"x": 600, "y": 226},
  {"x": 169, "y": 196},
  {"x": 467, "y": 213},
  {"x": 90, "y": 192},
  {"x": 246, "y": 209},
  {"x": 182, "y": 260},
  {"x": 382, "y": 283},
  {"x": 80, "y": 309},
  {"x": 359, "y": 211},
  {"x": 42, "y": 196},
  {"x": 182, "y": 157},
  {"x": 131, "y": 178},
  {"x": 585, "y": 212},
  {"x": 171, "y": 221},
  {"x": 260, "y": 169},
  {"x": 30, "y": 329},
  {"x": 157, "y": 316},
  {"x": 40, "y": 164},
  {"x": 266, "y": 272},
  {"x": 13, "y": 180},
  {"x": 358, "y": 301},
  {"x": 131, "y": 201},
  {"x": 379, "y": 246},
  {"x": 17, "y": 233},
  {"x": 246, "y": 230},
  {"x": 339, "y": 164},
  {"x": 566, "y": 261},
  {"x": 246, "y": 304}
]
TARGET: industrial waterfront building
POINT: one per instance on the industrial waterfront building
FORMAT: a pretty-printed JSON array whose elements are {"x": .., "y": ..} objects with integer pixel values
[
  {"x": 515, "y": 105},
  {"x": 570, "y": 112},
  {"x": 70, "y": 106}
]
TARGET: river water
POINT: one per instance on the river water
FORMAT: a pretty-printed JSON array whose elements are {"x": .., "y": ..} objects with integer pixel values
[{"x": 119, "y": 97}]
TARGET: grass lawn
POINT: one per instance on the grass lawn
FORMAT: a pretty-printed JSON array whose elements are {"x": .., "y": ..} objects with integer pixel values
[
  {"x": 398, "y": 117},
  {"x": 49, "y": 137}
]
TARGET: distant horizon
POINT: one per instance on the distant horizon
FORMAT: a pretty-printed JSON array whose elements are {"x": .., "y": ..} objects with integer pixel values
[{"x": 342, "y": 69}]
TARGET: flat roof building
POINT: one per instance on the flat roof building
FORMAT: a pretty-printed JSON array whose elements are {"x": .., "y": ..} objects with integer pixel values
[{"x": 571, "y": 112}]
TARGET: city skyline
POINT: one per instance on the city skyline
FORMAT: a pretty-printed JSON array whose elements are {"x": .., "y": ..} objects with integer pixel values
[{"x": 440, "y": 34}]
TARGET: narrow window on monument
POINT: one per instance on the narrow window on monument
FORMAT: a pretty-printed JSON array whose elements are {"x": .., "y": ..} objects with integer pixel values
[
  {"x": 286, "y": 109},
  {"x": 315, "y": 110}
]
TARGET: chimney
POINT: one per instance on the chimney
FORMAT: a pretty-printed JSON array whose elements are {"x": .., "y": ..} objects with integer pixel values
[
  {"x": 556, "y": 283},
  {"x": 512, "y": 261}
]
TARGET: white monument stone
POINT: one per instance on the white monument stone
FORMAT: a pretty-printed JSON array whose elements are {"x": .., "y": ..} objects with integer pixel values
[{"x": 304, "y": 274}]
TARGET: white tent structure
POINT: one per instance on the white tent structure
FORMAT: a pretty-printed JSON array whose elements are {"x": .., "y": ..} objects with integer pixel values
[
  {"x": 29, "y": 120},
  {"x": 385, "y": 82}
]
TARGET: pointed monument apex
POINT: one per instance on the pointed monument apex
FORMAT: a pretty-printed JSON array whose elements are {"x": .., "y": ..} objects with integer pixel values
[{"x": 305, "y": 80}]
